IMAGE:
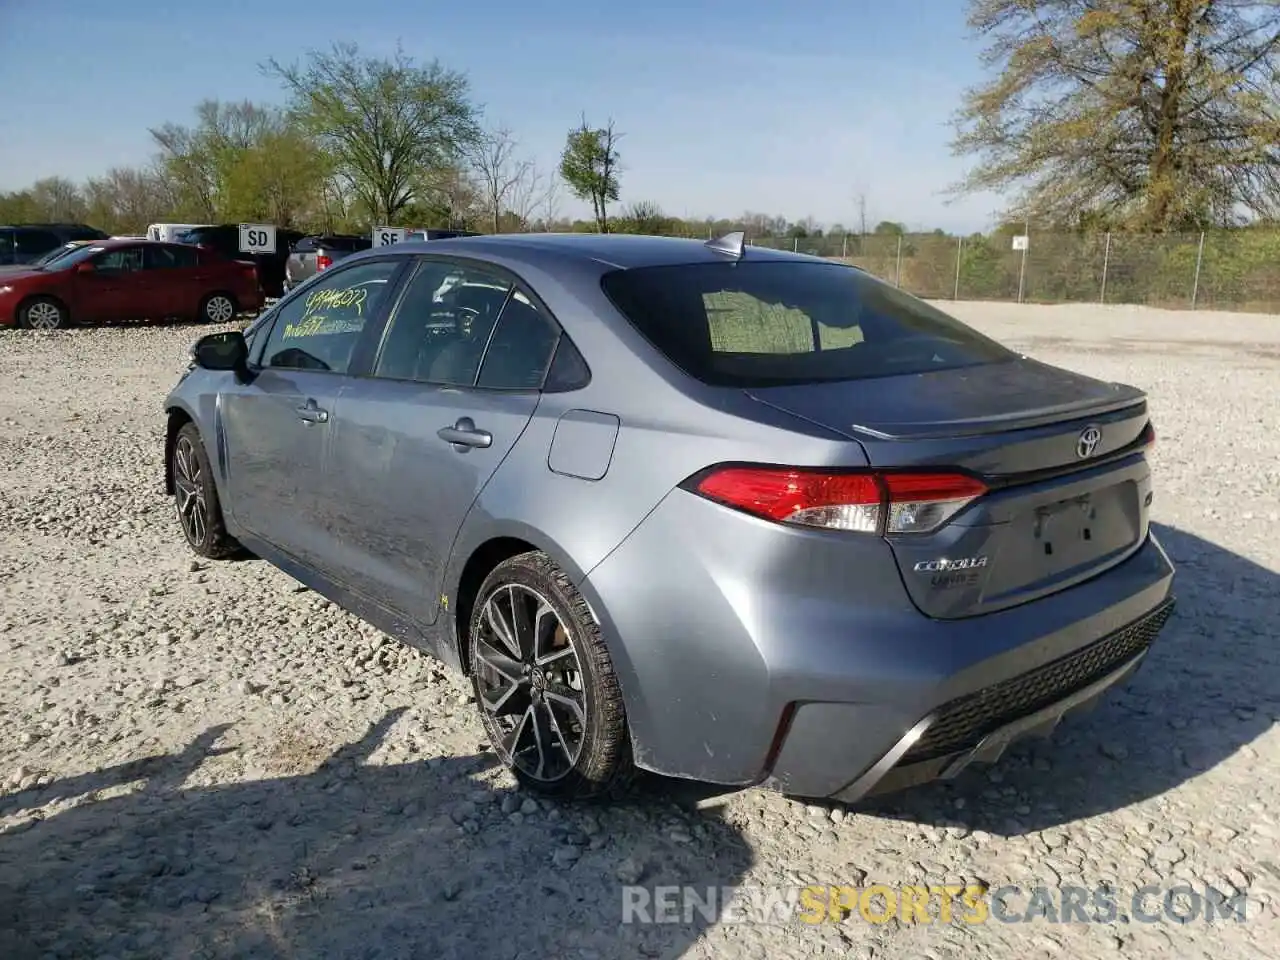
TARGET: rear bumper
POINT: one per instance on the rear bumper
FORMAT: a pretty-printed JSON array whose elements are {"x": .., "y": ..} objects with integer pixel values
[
  {"x": 978, "y": 728},
  {"x": 753, "y": 655}
]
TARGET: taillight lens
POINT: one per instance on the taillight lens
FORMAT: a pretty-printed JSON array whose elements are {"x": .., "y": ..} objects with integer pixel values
[
  {"x": 859, "y": 501},
  {"x": 323, "y": 262},
  {"x": 1149, "y": 435}
]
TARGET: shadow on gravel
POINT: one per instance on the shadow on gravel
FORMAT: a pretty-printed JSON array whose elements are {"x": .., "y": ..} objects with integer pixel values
[
  {"x": 353, "y": 860},
  {"x": 1209, "y": 687}
]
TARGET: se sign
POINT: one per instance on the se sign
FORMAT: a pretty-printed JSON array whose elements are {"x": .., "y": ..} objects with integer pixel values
[{"x": 385, "y": 236}]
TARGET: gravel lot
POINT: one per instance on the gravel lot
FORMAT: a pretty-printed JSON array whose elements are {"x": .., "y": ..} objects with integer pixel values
[{"x": 205, "y": 760}]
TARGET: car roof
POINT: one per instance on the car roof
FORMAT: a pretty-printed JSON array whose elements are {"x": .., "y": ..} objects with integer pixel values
[{"x": 617, "y": 250}]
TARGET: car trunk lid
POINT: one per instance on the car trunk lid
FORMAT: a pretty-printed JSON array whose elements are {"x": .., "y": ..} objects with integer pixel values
[{"x": 1062, "y": 456}]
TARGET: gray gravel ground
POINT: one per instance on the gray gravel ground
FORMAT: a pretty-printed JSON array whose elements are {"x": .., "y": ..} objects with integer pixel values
[{"x": 205, "y": 760}]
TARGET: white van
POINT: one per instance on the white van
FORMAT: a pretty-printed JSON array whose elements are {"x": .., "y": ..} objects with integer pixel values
[{"x": 169, "y": 232}]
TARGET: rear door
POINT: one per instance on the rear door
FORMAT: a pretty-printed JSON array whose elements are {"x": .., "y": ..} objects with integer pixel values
[
  {"x": 455, "y": 383},
  {"x": 278, "y": 426},
  {"x": 178, "y": 280}
]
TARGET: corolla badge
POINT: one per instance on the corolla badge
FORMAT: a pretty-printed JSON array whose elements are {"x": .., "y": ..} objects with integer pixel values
[
  {"x": 943, "y": 564},
  {"x": 1088, "y": 442}
]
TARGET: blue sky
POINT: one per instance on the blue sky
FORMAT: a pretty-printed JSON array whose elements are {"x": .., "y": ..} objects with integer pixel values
[{"x": 791, "y": 108}]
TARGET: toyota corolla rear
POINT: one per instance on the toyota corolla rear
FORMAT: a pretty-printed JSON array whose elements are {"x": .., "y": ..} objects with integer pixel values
[{"x": 965, "y": 561}]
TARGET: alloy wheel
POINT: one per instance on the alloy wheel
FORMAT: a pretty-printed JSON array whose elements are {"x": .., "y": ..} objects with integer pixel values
[
  {"x": 529, "y": 683},
  {"x": 219, "y": 309},
  {"x": 188, "y": 485},
  {"x": 44, "y": 316}
]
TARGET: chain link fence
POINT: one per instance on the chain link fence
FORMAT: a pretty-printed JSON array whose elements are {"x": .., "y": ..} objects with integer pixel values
[{"x": 1215, "y": 270}]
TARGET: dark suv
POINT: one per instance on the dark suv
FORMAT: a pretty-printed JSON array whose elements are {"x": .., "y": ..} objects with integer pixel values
[
  {"x": 225, "y": 239},
  {"x": 28, "y": 242},
  {"x": 315, "y": 254}
]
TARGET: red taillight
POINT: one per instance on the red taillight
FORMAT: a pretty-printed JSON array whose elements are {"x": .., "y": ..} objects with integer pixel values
[
  {"x": 862, "y": 501},
  {"x": 1149, "y": 435},
  {"x": 323, "y": 262}
]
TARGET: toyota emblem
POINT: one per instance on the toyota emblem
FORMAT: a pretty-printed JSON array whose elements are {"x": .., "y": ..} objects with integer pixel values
[{"x": 1090, "y": 437}]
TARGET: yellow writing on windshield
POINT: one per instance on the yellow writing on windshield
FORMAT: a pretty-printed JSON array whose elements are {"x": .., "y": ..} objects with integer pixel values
[
  {"x": 320, "y": 327},
  {"x": 336, "y": 300}
]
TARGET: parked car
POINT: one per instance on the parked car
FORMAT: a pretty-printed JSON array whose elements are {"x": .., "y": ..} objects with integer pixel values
[
  {"x": 717, "y": 511},
  {"x": 126, "y": 280},
  {"x": 27, "y": 242},
  {"x": 171, "y": 232},
  {"x": 315, "y": 254},
  {"x": 434, "y": 234},
  {"x": 225, "y": 239}
]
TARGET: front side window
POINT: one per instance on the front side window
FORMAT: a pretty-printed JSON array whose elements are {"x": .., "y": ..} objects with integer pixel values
[
  {"x": 770, "y": 323},
  {"x": 442, "y": 324},
  {"x": 318, "y": 329}
]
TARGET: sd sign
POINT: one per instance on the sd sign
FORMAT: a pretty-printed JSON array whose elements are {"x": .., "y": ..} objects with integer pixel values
[
  {"x": 385, "y": 236},
  {"x": 257, "y": 238}
]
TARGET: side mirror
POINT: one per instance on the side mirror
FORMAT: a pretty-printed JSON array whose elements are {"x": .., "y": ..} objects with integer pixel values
[
  {"x": 85, "y": 267},
  {"x": 222, "y": 351}
]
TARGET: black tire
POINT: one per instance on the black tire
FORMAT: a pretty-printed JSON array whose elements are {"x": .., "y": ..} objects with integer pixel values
[
  {"x": 213, "y": 308},
  {"x": 194, "y": 489},
  {"x": 602, "y": 763},
  {"x": 43, "y": 313}
]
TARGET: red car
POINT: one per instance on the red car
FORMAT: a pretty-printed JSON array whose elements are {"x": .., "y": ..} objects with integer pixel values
[{"x": 112, "y": 280}]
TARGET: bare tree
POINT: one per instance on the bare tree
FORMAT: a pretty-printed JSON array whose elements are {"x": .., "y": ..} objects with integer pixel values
[
  {"x": 551, "y": 203},
  {"x": 530, "y": 194},
  {"x": 502, "y": 174}
]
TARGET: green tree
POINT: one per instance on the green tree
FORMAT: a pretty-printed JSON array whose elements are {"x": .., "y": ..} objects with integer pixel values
[
  {"x": 383, "y": 121},
  {"x": 1161, "y": 114},
  {"x": 590, "y": 166}
]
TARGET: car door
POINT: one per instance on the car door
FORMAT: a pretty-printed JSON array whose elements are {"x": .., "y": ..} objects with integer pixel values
[
  {"x": 116, "y": 288},
  {"x": 277, "y": 427},
  {"x": 176, "y": 278},
  {"x": 416, "y": 440}
]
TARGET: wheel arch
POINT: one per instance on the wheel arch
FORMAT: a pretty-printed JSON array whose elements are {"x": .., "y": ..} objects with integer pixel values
[
  {"x": 474, "y": 561},
  {"x": 177, "y": 417}
]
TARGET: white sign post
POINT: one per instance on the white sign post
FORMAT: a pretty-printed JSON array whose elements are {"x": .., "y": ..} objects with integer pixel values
[
  {"x": 1021, "y": 243},
  {"x": 386, "y": 236},
  {"x": 257, "y": 238}
]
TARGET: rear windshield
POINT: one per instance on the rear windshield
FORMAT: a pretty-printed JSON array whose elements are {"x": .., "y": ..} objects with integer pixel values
[{"x": 776, "y": 322}]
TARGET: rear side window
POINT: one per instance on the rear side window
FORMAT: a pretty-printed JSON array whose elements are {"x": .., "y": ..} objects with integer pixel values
[{"x": 772, "y": 323}]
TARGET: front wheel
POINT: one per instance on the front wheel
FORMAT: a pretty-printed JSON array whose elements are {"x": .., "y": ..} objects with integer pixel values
[
  {"x": 43, "y": 313},
  {"x": 544, "y": 682},
  {"x": 195, "y": 498}
]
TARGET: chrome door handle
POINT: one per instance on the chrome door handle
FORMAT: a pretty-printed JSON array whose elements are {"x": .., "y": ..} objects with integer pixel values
[
  {"x": 313, "y": 414},
  {"x": 463, "y": 435}
]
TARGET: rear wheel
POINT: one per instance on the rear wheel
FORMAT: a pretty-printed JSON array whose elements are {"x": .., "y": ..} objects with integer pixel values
[
  {"x": 43, "y": 313},
  {"x": 196, "y": 498},
  {"x": 545, "y": 684},
  {"x": 217, "y": 308}
]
